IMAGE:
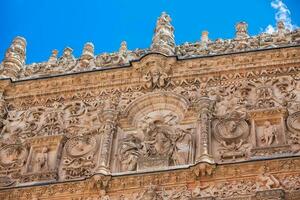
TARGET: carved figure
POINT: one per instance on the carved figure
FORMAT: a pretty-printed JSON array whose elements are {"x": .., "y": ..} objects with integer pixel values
[
  {"x": 157, "y": 142},
  {"x": 41, "y": 161},
  {"x": 206, "y": 190},
  {"x": 267, "y": 180},
  {"x": 129, "y": 153},
  {"x": 151, "y": 193},
  {"x": 156, "y": 78},
  {"x": 270, "y": 134}
]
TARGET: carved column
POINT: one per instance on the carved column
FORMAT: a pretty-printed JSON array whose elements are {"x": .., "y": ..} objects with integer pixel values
[
  {"x": 204, "y": 107},
  {"x": 109, "y": 127}
]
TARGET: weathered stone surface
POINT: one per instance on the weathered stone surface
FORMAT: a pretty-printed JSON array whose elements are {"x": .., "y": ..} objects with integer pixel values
[{"x": 163, "y": 127}]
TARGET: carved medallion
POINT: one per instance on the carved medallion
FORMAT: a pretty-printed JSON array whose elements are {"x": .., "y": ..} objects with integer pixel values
[
  {"x": 6, "y": 181},
  {"x": 293, "y": 122},
  {"x": 80, "y": 146},
  {"x": 230, "y": 130},
  {"x": 79, "y": 157},
  {"x": 13, "y": 156}
]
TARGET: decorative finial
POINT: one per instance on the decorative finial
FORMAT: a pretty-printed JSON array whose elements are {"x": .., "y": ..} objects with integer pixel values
[
  {"x": 281, "y": 27},
  {"x": 87, "y": 54},
  {"x": 67, "y": 51},
  {"x": 204, "y": 37},
  {"x": 163, "y": 39},
  {"x": 123, "y": 47},
  {"x": 15, "y": 57},
  {"x": 88, "y": 50},
  {"x": 53, "y": 58},
  {"x": 241, "y": 29},
  {"x": 67, "y": 57}
]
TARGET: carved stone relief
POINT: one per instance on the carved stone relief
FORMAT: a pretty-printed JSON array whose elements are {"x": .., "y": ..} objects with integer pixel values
[
  {"x": 157, "y": 144},
  {"x": 79, "y": 156},
  {"x": 156, "y": 71},
  {"x": 157, "y": 126},
  {"x": 12, "y": 160},
  {"x": 268, "y": 129},
  {"x": 43, "y": 159},
  {"x": 233, "y": 138},
  {"x": 157, "y": 139}
]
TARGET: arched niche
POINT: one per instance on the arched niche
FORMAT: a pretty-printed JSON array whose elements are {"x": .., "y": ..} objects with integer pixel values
[{"x": 157, "y": 105}]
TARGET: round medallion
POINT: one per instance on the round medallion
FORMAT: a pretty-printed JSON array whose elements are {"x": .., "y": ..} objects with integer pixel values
[
  {"x": 293, "y": 122},
  {"x": 231, "y": 130},
  {"x": 13, "y": 154},
  {"x": 80, "y": 146}
]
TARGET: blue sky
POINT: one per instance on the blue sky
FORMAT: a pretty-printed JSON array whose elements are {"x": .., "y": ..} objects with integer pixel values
[{"x": 55, "y": 24}]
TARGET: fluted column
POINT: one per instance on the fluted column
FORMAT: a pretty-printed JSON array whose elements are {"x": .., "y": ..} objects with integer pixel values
[
  {"x": 204, "y": 107},
  {"x": 109, "y": 128}
]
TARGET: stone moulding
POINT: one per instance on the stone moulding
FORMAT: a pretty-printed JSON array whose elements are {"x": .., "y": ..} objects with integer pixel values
[{"x": 259, "y": 178}]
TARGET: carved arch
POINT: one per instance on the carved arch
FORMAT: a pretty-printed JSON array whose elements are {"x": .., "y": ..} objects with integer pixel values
[{"x": 156, "y": 101}]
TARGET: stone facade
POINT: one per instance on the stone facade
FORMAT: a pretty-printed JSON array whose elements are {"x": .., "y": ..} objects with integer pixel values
[{"x": 205, "y": 120}]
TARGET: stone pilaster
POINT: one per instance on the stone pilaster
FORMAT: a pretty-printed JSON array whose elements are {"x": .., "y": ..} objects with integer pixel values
[
  {"x": 109, "y": 128},
  {"x": 204, "y": 107}
]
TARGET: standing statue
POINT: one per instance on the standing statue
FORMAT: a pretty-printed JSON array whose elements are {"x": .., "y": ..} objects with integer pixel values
[{"x": 41, "y": 161}]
